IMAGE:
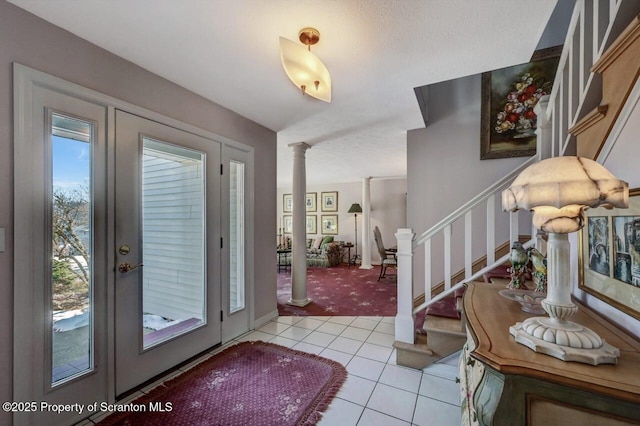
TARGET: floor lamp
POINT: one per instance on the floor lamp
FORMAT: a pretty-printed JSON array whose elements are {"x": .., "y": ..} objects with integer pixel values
[{"x": 355, "y": 209}]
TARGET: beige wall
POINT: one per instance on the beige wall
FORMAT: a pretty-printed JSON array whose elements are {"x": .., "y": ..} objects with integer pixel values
[
  {"x": 35, "y": 43},
  {"x": 388, "y": 210}
]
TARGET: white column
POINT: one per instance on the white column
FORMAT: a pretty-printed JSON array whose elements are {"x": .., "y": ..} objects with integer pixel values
[
  {"x": 298, "y": 248},
  {"x": 404, "y": 325},
  {"x": 366, "y": 224}
]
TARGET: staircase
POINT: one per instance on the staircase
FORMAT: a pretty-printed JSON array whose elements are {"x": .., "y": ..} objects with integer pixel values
[{"x": 598, "y": 69}]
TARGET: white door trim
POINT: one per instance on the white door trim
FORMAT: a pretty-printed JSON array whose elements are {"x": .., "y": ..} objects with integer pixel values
[{"x": 25, "y": 79}]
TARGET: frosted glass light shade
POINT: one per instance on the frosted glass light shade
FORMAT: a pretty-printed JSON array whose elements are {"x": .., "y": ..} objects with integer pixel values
[
  {"x": 558, "y": 190},
  {"x": 304, "y": 69}
]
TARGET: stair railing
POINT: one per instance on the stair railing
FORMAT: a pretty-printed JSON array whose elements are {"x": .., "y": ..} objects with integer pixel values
[{"x": 595, "y": 24}]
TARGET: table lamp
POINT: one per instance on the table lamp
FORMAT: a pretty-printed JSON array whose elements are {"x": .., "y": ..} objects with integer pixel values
[{"x": 557, "y": 191}]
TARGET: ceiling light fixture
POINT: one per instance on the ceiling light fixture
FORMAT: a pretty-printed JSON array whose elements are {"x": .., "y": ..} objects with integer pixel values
[{"x": 304, "y": 68}]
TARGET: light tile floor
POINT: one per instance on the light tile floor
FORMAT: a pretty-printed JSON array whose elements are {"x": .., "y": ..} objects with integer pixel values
[{"x": 377, "y": 391}]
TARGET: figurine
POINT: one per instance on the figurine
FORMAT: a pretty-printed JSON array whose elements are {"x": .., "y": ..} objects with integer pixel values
[
  {"x": 519, "y": 260},
  {"x": 539, "y": 271}
]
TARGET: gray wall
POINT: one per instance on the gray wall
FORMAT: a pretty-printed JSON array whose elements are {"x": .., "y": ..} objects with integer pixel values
[
  {"x": 444, "y": 169},
  {"x": 35, "y": 43}
]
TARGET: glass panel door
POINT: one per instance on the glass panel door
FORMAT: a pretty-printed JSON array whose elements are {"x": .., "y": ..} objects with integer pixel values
[
  {"x": 237, "y": 257},
  {"x": 167, "y": 233},
  {"x": 173, "y": 243},
  {"x": 236, "y": 232},
  {"x": 71, "y": 247}
]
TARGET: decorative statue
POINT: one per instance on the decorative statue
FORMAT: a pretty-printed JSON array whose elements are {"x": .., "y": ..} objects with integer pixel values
[
  {"x": 539, "y": 270},
  {"x": 519, "y": 260}
]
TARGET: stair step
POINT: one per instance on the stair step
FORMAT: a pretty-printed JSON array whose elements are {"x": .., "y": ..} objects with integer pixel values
[
  {"x": 589, "y": 120},
  {"x": 447, "y": 326}
]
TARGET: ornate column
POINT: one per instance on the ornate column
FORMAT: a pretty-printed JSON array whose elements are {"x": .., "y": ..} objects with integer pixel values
[
  {"x": 366, "y": 224},
  {"x": 298, "y": 250}
]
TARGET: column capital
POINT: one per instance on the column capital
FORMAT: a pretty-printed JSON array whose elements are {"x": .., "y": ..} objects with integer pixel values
[{"x": 299, "y": 146}]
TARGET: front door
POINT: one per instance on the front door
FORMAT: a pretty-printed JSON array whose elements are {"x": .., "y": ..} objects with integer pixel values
[{"x": 168, "y": 247}]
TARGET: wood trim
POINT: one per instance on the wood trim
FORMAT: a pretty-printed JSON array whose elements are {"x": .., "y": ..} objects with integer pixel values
[
  {"x": 480, "y": 263},
  {"x": 497, "y": 348},
  {"x": 624, "y": 40},
  {"x": 589, "y": 120}
]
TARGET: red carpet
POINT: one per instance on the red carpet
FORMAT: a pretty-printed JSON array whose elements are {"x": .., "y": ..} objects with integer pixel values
[
  {"x": 251, "y": 383},
  {"x": 341, "y": 291}
]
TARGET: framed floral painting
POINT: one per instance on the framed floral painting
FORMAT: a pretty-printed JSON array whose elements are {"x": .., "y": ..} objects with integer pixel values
[
  {"x": 508, "y": 123},
  {"x": 609, "y": 256}
]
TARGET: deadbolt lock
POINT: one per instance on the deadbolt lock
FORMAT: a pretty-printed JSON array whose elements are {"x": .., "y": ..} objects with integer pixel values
[{"x": 124, "y": 249}]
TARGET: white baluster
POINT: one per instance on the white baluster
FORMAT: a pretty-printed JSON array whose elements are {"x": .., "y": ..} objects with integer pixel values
[
  {"x": 491, "y": 229},
  {"x": 468, "y": 240},
  {"x": 447, "y": 256},
  {"x": 427, "y": 270}
]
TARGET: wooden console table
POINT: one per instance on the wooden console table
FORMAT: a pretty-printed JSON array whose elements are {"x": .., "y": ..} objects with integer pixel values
[{"x": 507, "y": 383}]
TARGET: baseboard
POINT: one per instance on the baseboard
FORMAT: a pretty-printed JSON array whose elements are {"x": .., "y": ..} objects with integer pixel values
[{"x": 265, "y": 318}]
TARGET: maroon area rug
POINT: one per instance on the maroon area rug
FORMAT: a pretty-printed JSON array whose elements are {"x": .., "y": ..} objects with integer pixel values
[
  {"x": 251, "y": 383},
  {"x": 341, "y": 291}
]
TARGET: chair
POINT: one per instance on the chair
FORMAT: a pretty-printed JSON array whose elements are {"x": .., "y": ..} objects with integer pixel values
[{"x": 387, "y": 257}]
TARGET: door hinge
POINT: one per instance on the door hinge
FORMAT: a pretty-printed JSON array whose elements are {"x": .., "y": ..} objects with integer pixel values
[
  {"x": 221, "y": 242},
  {"x": 221, "y": 168},
  {"x": 221, "y": 316}
]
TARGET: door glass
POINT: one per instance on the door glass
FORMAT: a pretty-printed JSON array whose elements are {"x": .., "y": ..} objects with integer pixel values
[
  {"x": 173, "y": 240},
  {"x": 236, "y": 245},
  {"x": 71, "y": 266}
]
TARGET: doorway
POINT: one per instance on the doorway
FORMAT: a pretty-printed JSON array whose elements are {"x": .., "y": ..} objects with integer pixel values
[{"x": 129, "y": 224}]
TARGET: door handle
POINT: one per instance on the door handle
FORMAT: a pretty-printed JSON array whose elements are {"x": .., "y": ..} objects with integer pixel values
[{"x": 126, "y": 267}]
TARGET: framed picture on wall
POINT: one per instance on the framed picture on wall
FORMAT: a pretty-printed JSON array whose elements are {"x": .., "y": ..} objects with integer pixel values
[
  {"x": 287, "y": 203},
  {"x": 287, "y": 223},
  {"x": 609, "y": 256},
  {"x": 330, "y": 224},
  {"x": 312, "y": 224},
  {"x": 310, "y": 201},
  {"x": 508, "y": 123},
  {"x": 329, "y": 201}
]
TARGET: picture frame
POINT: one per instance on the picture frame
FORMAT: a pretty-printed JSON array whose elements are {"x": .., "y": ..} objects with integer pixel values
[
  {"x": 312, "y": 224},
  {"x": 508, "y": 97},
  {"x": 329, "y": 201},
  {"x": 329, "y": 224},
  {"x": 611, "y": 271},
  {"x": 287, "y": 224},
  {"x": 287, "y": 203},
  {"x": 310, "y": 201}
]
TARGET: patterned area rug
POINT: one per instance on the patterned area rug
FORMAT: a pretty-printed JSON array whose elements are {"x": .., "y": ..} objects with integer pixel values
[
  {"x": 341, "y": 291},
  {"x": 251, "y": 383}
]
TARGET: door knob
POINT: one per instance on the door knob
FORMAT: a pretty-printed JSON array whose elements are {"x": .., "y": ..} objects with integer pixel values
[{"x": 126, "y": 267}]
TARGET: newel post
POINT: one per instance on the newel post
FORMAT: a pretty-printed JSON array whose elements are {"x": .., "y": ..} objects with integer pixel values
[
  {"x": 405, "y": 327},
  {"x": 544, "y": 132}
]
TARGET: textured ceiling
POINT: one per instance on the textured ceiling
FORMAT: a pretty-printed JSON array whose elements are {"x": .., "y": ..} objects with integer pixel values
[{"x": 377, "y": 51}]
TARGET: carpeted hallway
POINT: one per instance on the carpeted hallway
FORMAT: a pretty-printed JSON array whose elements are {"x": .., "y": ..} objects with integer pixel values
[{"x": 342, "y": 291}]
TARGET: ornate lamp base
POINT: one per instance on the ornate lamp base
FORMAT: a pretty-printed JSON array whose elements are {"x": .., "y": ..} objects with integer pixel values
[{"x": 564, "y": 340}]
